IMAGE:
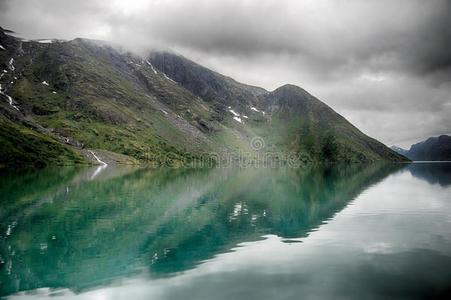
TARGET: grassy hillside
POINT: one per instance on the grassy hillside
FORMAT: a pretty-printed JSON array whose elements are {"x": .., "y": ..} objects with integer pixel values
[
  {"x": 289, "y": 120},
  {"x": 21, "y": 147},
  {"x": 83, "y": 95},
  {"x": 312, "y": 129}
]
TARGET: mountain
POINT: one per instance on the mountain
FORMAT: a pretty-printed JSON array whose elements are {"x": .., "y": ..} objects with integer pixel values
[
  {"x": 399, "y": 150},
  {"x": 432, "y": 149},
  {"x": 65, "y": 102}
]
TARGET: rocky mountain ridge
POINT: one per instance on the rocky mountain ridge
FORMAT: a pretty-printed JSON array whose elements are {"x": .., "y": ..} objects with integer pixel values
[{"x": 65, "y": 102}]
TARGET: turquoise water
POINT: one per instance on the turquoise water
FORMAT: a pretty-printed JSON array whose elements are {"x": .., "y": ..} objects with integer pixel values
[{"x": 355, "y": 232}]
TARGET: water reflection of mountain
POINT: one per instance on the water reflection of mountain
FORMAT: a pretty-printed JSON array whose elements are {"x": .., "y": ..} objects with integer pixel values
[
  {"x": 88, "y": 233},
  {"x": 432, "y": 172},
  {"x": 23, "y": 192},
  {"x": 253, "y": 203}
]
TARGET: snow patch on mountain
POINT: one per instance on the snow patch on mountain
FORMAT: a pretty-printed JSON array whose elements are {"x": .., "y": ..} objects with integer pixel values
[
  {"x": 11, "y": 64},
  {"x": 9, "y": 98},
  {"x": 260, "y": 111},
  {"x": 97, "y": 158},
  {"x": 165, "y": 76},
  {"x": 151, "y": 66},
  {"x": 234, "y": 113},
  {"x": 238, "y": 119},
  {"x": 44, "y": 41}
]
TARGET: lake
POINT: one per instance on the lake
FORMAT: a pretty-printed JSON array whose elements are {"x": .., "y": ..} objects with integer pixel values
[{"x": 342, "y": 232}]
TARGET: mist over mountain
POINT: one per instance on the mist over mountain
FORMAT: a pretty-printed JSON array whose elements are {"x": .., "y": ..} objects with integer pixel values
[
  {"x": 382, "y": 64},
  {"x": 85, "y": 100},
  {"x": 399, "y": 150}
]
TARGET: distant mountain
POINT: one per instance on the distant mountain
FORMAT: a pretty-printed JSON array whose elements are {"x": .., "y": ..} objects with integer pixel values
[
  {"x": 65, "y": 102},
  {"x": 399, "y": 150},
  {"x": 432, "y": 149}
]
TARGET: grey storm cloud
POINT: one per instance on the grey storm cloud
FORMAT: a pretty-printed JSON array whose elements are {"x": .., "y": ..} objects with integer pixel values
[{"x": 383, "y": 64}]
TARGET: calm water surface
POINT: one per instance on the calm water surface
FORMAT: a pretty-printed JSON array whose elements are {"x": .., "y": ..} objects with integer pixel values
[{"x": 356, "y": 232}]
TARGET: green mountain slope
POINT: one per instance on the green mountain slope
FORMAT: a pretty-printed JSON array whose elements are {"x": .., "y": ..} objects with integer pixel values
[
  {"x": 85, "y": 98},
  {"x": 21, "y": 147},
  {"x": 288, "y": 119},
  {"x": 312, "y": 128}
]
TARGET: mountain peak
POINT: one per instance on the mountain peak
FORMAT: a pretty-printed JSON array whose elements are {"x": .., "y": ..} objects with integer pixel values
[
  {"x": 291, "y": 88},
  {"x": 87, "y": 95}
]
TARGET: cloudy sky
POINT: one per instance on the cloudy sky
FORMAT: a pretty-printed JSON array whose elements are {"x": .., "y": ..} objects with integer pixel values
[{"x": 383, "y": 64}]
